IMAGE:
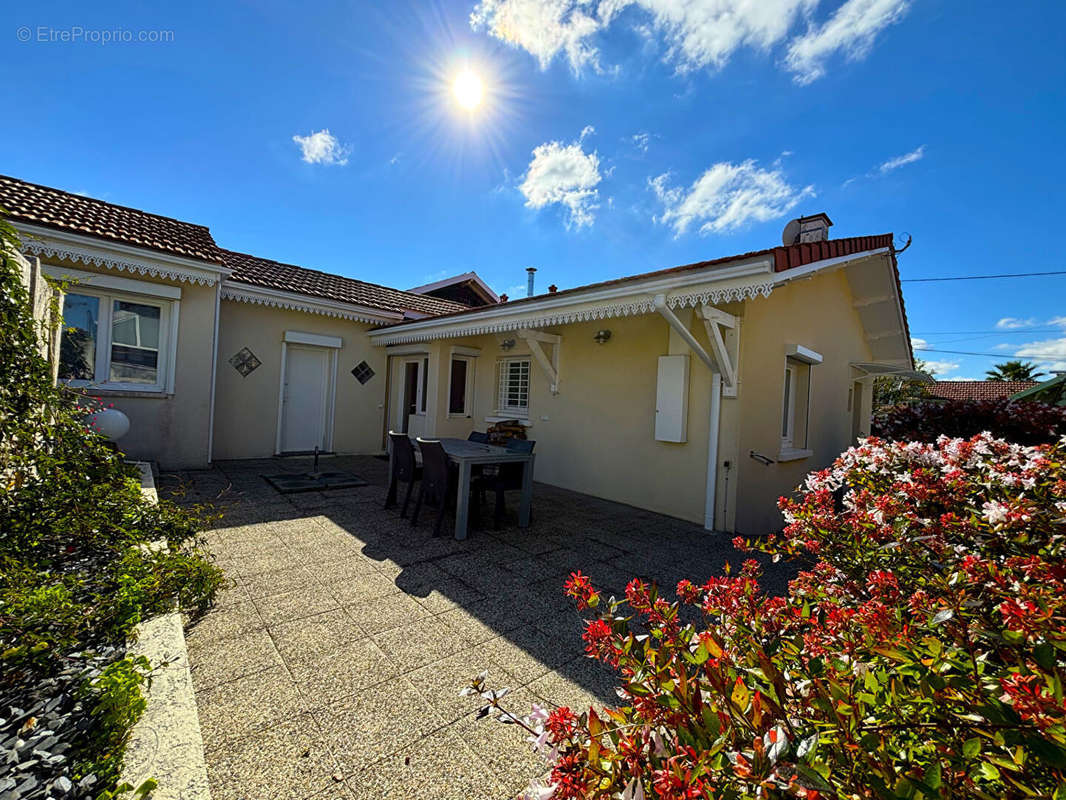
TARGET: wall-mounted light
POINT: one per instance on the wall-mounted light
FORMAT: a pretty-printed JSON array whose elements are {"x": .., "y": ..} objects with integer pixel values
[
  {"x": 602, "y": 336},
  {"x": 507, "y": 344}
]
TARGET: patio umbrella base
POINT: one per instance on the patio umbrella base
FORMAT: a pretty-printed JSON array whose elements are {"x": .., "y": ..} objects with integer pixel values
[{"x": 290, "y": 483}]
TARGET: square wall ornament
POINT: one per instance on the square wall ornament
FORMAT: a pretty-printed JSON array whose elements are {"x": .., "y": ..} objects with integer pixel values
[
  {"x": 362, "y": 372},
  {"x": 245, "y": 362}
]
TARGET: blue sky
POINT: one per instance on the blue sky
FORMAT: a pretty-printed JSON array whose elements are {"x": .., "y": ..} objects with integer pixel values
[{"x": 614, "y": 137}]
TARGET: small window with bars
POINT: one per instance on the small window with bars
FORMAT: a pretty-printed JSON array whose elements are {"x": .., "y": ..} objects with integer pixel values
[{"x": 513, "y": 397}]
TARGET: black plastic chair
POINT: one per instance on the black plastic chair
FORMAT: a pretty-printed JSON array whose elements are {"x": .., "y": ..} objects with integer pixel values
[
  {"x": 508, "y": 478},
  {"x": 404, "y": 469},
  {"x": 440, "y": 480}
]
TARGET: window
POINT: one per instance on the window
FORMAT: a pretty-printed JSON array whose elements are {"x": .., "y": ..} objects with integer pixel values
[
  {"x": 794, "y": 405},
  {"x": 513, "y": 398},
  {"x": 425, "y": 386},
  {"x": 460, "y": 386},
  {"x": 115, "y": 342}
]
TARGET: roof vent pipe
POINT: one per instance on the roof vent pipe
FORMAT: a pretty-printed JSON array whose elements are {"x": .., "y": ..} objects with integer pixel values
[{"x": 529, "y": 282}]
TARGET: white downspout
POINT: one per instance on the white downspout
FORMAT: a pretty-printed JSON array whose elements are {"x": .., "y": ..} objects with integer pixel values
[
  {"x": 712, "y": 450},
  {"x": 214, "y": 371}
]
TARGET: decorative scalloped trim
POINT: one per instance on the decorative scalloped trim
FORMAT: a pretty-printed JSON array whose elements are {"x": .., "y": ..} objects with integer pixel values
[
  {"x": 295, "y": 305},
  {"x": 725, "y": 294},
  {"x": 96, "y": 259}
]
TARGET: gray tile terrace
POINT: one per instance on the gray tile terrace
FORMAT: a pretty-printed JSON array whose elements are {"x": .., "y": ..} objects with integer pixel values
[{"x": 331, "y": 668}]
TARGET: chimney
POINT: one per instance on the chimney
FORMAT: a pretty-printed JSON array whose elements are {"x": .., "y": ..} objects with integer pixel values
[
  {"x": 553, "y": 289},
  {"x": 529, "y": 285},
  {"x": 814, "y": 228},
  {"x": 504, "y": 298}
]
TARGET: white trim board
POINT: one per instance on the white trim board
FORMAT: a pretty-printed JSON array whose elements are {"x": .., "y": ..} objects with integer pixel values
[
  {"x": 101, "y": 280},
  {"x": 49, "y": 243},
  {"x": 276, "y": 298}
]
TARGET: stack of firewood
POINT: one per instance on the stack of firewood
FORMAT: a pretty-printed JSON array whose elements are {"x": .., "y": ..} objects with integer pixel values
[{"x": 503, "y": 432}]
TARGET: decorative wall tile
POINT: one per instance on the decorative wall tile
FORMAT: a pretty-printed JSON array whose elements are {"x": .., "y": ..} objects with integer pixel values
[
  {"x": 245, "y": 362},
  {"x": 362, "y": 372}
]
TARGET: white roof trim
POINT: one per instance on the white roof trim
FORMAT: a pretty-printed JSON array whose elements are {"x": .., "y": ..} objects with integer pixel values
[
  {"x": 275, "y": 298},
  {"x": 744, "y": 280},
  {"x": 49, "y": 243},
  {"x": 466, "y": 276}
]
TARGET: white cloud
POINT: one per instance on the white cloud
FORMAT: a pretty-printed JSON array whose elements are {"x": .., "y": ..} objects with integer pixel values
[
  {"x": 1049, "y": 353},
  {"x": 564, "y": 174},
  {"x": 851, "y": 30},
  {"x": 1057, "y": 322},
  {"x": 726, "y": 197},
  {"x": 918, "y": 344},
  {"x": 586, "y": 132},
  {"x": 695, "y": 33},
  {"x": 641, "y": 141},
  {"x": 322, "y": 147},
  {"x": 938, "y": 368},
  {"x": 1013, "y": 323},
  {"x": 542, "y": 27},
  {"x": 899, "y": 161}
]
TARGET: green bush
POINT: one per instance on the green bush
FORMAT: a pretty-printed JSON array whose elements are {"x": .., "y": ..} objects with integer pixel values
[{"x": 76, "y": 574}]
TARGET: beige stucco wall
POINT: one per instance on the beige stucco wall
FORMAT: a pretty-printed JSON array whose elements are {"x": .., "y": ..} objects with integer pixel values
[
  {"x": 597, "y": 436},
  {"x": 171, "y": 429},
  {"x": 816, "y": 313},
  {"x": 246, "y": 408}
]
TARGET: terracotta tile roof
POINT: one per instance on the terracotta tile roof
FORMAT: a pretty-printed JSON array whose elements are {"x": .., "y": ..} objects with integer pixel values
[
  {"x": 291, "y": 278},
  {"x": 54, "y": 208},
  {"x": 978, "y": 390},
  {"x": 785, "y": 258}
]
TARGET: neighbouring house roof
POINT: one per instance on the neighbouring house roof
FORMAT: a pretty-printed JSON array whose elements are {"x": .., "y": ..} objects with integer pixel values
[
  {"x": 467, "y": 289},
  {"x": 977, "y": 390},
  {"x": 301, "y": 280},
  {"x": 53, "y": 208}
]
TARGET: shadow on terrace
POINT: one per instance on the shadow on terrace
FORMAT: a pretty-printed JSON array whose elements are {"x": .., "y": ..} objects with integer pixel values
[{"x": 363, "y": 629}]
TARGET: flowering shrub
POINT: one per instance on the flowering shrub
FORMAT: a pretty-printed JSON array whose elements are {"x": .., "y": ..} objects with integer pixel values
[
  {"x": 1021, "y": 421},
  {"x": 923, "y": 654}
]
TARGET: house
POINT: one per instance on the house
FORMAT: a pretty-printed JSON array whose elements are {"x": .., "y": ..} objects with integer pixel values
[
  {"x": 977, "y": 390},
  {"x": 703, "y": 391}
]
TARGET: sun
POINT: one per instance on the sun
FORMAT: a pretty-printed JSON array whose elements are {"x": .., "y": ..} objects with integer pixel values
[{"x": 468, "y": 89}]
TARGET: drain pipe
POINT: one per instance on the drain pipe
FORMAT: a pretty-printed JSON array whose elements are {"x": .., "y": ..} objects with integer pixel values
[{"x": 712, "y": 449}]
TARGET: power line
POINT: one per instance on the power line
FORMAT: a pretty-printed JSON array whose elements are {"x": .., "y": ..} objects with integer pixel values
[
  {"x": 967, "y": 353},
  {"x": 993, "y": 333},
  {"x": 983, "y": 277}
]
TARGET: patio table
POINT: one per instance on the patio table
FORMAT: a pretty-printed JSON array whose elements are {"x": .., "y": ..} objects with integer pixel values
[{"x": 465, "y": 454}]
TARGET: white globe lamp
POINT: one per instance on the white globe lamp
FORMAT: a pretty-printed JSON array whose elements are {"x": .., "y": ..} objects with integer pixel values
[{"x": 110, "y": 423}]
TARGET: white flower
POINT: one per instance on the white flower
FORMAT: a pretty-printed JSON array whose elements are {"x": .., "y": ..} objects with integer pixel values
[{"x": 994, "y": 512}]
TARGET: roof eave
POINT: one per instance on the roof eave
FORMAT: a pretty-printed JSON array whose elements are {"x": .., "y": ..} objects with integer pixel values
[{"x": 97, "y": 251}]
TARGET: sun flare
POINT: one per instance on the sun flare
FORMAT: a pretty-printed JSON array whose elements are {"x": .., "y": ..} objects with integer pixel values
[{"x": 468, "y": 89}]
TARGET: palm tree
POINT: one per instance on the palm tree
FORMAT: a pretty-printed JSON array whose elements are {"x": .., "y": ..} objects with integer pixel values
[{"x": 1014, "y": 371}]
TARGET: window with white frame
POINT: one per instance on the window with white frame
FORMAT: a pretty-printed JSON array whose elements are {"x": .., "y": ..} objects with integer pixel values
[
  {"x": 116, "y": 341},
  {"x": 461, "y": 386},
  {"x": 513, "y": 394},
  {"x": 795, "y": 404}
]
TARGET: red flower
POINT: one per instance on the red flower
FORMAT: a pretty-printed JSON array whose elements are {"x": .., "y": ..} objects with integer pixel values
[{"x": 561, "y": 724}]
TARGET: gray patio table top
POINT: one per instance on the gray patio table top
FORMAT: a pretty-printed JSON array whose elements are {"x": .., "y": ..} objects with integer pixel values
[{"x": 465, "y": 454}]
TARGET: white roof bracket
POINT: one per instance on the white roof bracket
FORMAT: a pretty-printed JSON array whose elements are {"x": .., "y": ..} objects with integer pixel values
[
  {"x": 714, "y": 320},
  {"x": 551, "y": 367},
  {"x": 659, "y": 301}
]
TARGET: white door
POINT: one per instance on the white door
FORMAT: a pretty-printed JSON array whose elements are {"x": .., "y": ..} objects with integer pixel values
[{"x": 305, "y": 399}]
